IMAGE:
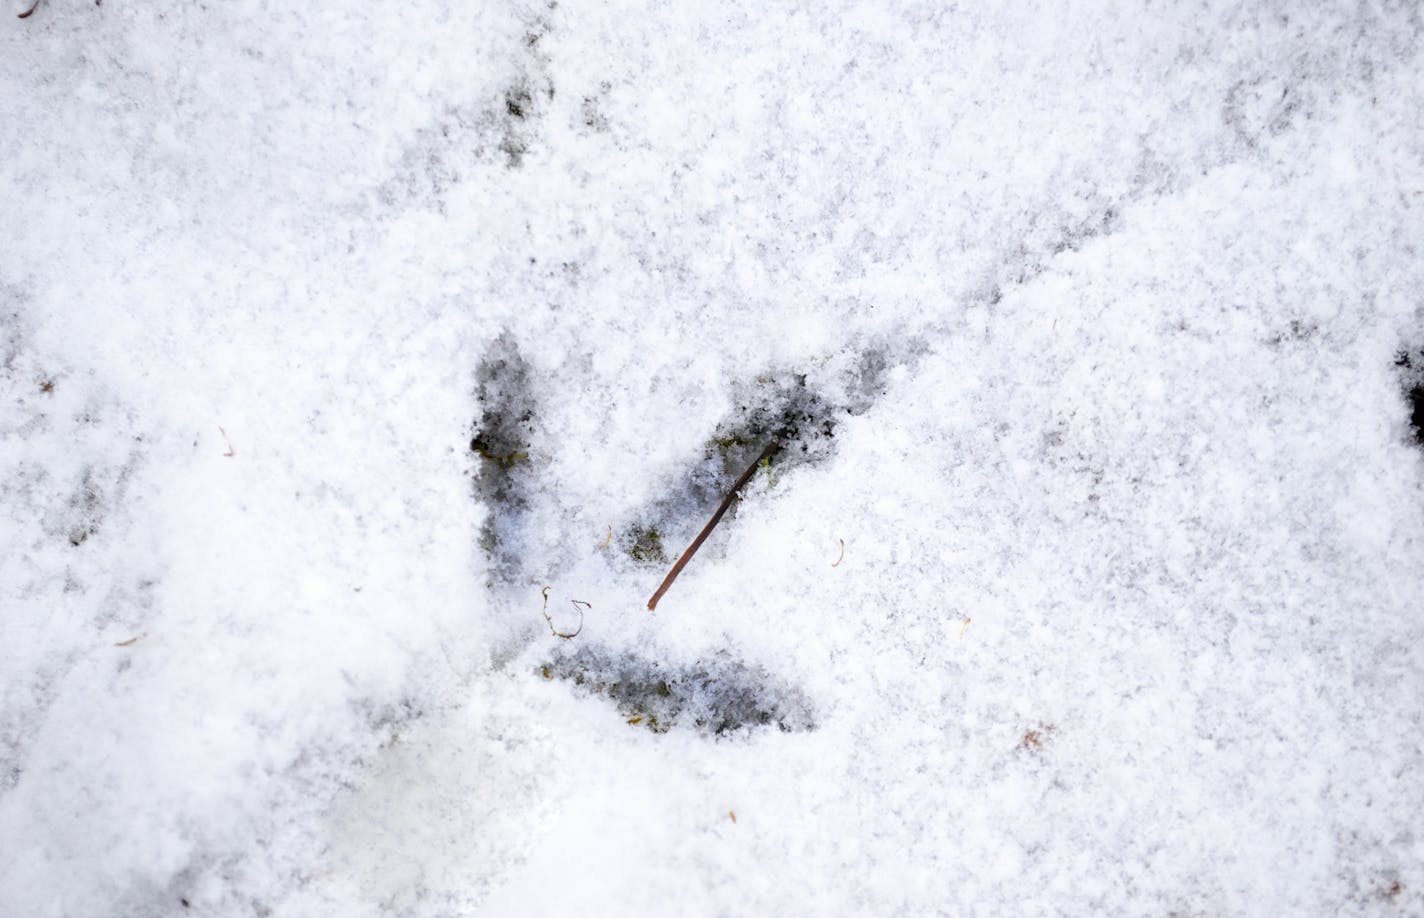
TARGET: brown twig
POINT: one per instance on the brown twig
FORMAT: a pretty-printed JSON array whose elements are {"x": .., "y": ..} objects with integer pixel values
[
  {"x": 29, "y": 12},
  {"x": 837, "y": 562},
  {"x": 131, "y": 641},
  {"x": 767, "y": 453}
]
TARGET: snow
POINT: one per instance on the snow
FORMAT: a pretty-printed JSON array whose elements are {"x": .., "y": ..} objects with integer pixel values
[{"x": 1087, "y": 581}]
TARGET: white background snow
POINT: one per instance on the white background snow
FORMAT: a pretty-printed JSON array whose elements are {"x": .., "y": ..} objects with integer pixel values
[{"x": 1104, "y": 301}]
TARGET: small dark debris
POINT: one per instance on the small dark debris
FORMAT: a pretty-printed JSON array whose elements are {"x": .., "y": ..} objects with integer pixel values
[
  {"x": 517, "y": 102},
  {"x": 481, "y": 448},
  {"x": 185, "y": 903},
  {"x": 592, "y": 116},
  {"x": 1035, "y": 737},
  {"x": 1298, "y": 331},
  {"x": 645, "y": 544},
  {"x": 30, "y": 12},
  {"x": 47, "y": 386}
]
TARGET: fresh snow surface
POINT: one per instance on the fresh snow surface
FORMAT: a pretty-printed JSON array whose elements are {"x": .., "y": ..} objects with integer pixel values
[{"x": 1087, "y": 580}]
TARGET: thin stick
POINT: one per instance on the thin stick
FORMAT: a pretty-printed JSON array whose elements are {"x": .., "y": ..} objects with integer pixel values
[{"x": 767, "y": 453}]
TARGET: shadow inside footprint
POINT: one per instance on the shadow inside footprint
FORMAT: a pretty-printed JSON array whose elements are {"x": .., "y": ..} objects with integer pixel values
[
  {"x": 714, "y": 696},
  {"x": 1410, "y": 362},
  {"x": 502, "y": 440}
]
